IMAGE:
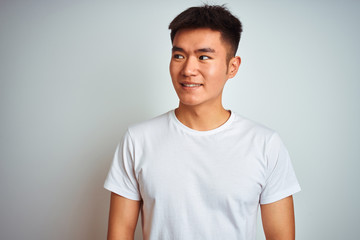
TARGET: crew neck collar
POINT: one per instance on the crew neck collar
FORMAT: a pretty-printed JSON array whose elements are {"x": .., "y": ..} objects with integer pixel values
[{"x": 197, "y": 132}]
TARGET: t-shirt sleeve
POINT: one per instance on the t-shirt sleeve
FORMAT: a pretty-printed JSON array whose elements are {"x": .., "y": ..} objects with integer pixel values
[
  {"x": 281, "y": 180},
  {"x": 121, "y": 178}
]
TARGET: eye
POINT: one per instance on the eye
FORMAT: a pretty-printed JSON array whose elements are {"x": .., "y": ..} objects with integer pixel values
[
  {"x": 203, "y": 57},
  {"x": 178, "y": 56}
]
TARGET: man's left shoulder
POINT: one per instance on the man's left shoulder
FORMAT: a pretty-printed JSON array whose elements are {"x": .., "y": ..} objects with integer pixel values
[{"x": 248, "y": 126}]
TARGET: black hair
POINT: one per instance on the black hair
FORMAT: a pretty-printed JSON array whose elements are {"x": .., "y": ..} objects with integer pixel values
[{"x": 215, "y": 17}]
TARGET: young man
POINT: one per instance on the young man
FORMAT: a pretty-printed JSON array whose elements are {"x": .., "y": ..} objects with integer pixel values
[{"x": 201, "y": 171}]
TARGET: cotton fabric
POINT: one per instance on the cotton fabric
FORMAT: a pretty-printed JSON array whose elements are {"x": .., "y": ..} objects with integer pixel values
[{"x": 201, "y": 184}]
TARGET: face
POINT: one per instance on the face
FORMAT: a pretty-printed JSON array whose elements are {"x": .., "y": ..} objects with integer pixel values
[{"x": 199, "y": 68}]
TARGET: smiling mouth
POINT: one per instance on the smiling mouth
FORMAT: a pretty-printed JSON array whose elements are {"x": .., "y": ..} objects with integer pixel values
[{"x": 191, "y": 84}]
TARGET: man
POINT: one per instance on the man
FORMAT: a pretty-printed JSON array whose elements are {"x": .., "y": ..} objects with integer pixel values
[{"x": 201, "y": 171}]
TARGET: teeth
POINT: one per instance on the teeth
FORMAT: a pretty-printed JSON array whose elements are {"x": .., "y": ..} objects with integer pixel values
[{"x": 191, "y": 85}]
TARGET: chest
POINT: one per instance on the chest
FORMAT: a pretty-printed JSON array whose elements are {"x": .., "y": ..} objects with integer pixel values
[{"x": 211, "y": 172}]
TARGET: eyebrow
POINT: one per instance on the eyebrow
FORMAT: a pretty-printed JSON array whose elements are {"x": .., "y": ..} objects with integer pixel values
[
  {"x": 205, "y": 50},
  {"x": 177, "y": 49}
]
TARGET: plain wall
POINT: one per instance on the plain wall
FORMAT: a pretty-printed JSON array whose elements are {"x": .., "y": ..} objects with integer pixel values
[{"x": 75, "y": 74}]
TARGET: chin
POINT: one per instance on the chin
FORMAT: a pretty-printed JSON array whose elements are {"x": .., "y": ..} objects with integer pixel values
[{"x": 190, "y": 103}]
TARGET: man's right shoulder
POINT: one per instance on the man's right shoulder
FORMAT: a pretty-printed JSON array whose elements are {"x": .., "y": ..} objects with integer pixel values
[{"x": 150, "y": 126}]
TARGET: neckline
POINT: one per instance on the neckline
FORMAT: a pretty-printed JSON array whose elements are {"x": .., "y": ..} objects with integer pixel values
[{"x": 197, "y": 132}]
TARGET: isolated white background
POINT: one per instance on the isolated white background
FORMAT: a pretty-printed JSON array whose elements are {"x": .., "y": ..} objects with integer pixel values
[{"x": 75, "y": 74}]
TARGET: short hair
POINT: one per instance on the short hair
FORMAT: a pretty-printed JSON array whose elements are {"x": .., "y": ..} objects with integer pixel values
[{"x": 216, "y": 18}]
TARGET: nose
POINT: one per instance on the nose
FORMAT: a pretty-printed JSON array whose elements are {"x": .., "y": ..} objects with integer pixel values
[{"x": 190, "y": 67}]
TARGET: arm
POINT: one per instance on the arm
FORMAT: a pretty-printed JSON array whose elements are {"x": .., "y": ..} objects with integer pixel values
[
  {"x": 278, "y": 219},
  {"x": 123, "y": 217}
]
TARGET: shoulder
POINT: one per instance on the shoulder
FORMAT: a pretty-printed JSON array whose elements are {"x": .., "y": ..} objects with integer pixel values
[
  {"x": 251, "y": 127},
  {"x": 262, "y": 138},
  {"x": 150, "y": 126},
  {"x": 256, "y": 134}
]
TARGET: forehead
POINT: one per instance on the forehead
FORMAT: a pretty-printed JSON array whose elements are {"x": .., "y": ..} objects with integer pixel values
[{"x": 190, "y": 39}]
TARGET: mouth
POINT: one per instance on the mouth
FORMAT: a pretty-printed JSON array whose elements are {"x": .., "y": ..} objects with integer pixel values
[{"x": 191, "y": 85}]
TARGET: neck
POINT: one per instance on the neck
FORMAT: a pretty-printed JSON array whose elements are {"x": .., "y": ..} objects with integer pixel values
[{"x": 202, "y": 118}]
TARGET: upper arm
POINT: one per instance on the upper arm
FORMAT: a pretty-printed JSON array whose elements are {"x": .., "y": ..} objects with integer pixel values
[
  {"x": 123, "y": 217},
  {"x": 278, "y": 219}
]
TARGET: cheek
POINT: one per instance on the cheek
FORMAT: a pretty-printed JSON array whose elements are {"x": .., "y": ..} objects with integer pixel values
[
  {"x": 173, "y": 69},
  {"x": 174, "y": 74},
  {"x": 216, "y": 72}
]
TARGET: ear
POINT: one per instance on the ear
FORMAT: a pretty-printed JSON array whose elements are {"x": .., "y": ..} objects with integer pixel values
[{"x": 233, "y": 67}]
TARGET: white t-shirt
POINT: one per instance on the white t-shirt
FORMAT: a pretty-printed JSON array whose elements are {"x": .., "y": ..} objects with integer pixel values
[{"x": 201, "y": 184}]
